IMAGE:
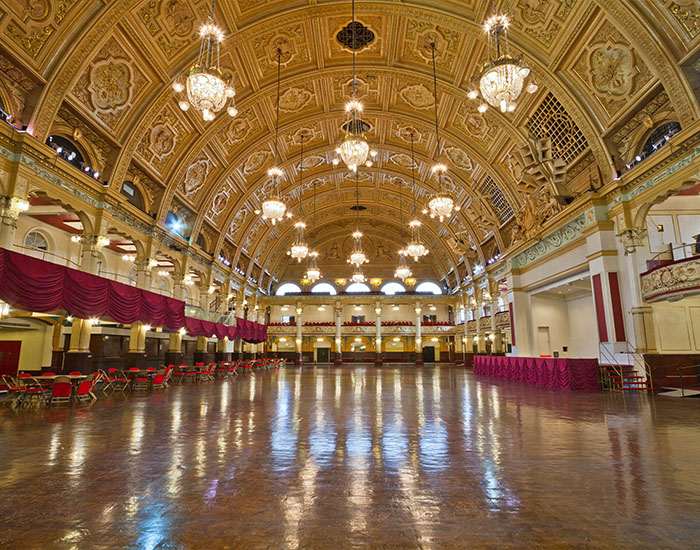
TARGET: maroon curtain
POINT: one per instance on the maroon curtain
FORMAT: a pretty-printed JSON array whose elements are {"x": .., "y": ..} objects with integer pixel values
[{"x": 37, "y": 285}]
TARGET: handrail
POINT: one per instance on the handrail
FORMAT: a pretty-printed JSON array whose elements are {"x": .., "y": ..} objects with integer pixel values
[
  {"x": 678, "y": 247},
  {"x": 680, "y": 375},
  {"x": 44, "y": 253}
]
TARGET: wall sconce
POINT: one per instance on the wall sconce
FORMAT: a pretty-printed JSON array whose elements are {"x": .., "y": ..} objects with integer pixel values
[
  {"x": 282, "y": 340},
  {"x": 152, "y": 263},
  {"x": 395, "y": 308},
  {"x": 300, "y": 311},
  {"x": 76, "y": 239},
  {"x": 211, "y": 289},
  {"x": 492, "y": 337},
  {"x": 182, "y": 331},
  {"x": 130, "y": 258},
  {"x": 146, "y": 328},
  {"x": 419, "y": 341},
  {"x": 319, "y": 339},
  {"x": 396, "y": 339},
  {"x": 163, "y": 273},
  {"x": 378, "y": 310},
  {"x": 433, "y": 339},
  {"x": 102, "y": 241},
  {"x": 476, "y": 339},
  {"x": 418, "y": 311},
  {"x": 18, "y": 205}
]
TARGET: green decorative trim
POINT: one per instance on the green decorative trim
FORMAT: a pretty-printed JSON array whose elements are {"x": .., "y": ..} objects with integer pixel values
[
  {"x": 650, "y": 183},
  {"x": 561, "y": 236}
]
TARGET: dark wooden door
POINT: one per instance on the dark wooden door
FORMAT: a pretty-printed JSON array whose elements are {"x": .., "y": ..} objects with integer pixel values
[
  {"x": 429, "y": 354},
  {"x": 323, "y": 355},
  {"x": 9, "y": 357}
]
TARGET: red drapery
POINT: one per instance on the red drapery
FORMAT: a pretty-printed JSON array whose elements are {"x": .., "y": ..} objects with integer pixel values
[
  {"x": 37, "y": 285},
  {"x": 547, "y": 372}
]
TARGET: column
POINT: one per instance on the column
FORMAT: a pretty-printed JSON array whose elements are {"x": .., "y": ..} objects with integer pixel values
[
  {"x": 136, "y": 357},
  {"x": 78, "y": 356},
  {"x": 57, "y": 346},
  {"x": 419, "y": 335},
  {"x": 480, "y": 336},
  {"x": 201, "y": 355},
  {"x": 378, "y": 359},
  {"x": 520, "y": 319},
  {"x": 466, "y": 344},
  {"x": 603, "y": 267},
  {"x": 174, "y": 355},
  {"x": 90, "y": 257},
  {"x": 299, "y": 336},
  {"x": 496, "y": 335},
  {"x": 338, "y": 360}
]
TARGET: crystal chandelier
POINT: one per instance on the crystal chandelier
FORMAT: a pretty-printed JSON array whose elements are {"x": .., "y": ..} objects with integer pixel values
[
  {"x": 440, "y": 205},
  {"x": 313, "y": 273},
  {"x": 415, "y": 247},
  {"x": 503, "y": 77},
  {"x": 357, "y": 256},
  {"x": 358, "y": 277},
  {"x": 205, "y": 87},
  {"x": 300, "y": 249},
  {"x": 273, "y": 208},
  {"x": 403, "y": 271},
  {"x": 354, "y": 150}
]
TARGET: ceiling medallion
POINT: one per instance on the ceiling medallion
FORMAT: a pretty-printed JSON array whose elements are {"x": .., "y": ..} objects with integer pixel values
[
  {"x": 441, "y": 205},
  {"x": 503, "y": 77},
  {"x": 273, "y": 207},
  {"x": 354, "y": 150},
  {"x": 205, "y": 88}
]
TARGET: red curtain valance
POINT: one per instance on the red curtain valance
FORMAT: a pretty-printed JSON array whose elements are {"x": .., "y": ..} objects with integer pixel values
[{"x": 37, "y": 285}]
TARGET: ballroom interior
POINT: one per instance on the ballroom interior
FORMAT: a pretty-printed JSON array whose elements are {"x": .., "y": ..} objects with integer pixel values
[{"x": 349, "y": 273}]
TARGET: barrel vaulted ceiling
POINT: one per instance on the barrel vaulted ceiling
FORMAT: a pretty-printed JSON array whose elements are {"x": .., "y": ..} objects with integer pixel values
[{"x": 608, "y": 71}]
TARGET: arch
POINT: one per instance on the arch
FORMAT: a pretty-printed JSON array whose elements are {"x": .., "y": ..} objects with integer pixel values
[
  {"x": 324, "y": 288},
  {"x": 392, "y": 288},
  {"x": 429, "y": 287},
  {"x": 37, "y": 240},
  {"x": 133, "y": 195},
  {"x": 287, "y": 288},
  {"x": 357, "y": 288},
  {"x": 68, "y": 150}
]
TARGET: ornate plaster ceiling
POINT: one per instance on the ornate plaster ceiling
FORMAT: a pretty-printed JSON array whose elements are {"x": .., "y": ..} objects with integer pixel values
[{"x": 106, "y": 69}]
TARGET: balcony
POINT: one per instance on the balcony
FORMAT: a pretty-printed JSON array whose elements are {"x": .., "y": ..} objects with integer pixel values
[{"x": 670, "y": 277}]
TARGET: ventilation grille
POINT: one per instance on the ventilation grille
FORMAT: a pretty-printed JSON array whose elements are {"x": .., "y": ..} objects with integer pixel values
[
  {"x": 551, "y": 121},
  {"x": 500, "y": 204},
  {"x": 363, "y": 36}
]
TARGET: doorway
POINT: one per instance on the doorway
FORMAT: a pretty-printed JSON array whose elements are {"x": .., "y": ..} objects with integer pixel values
[
  {"x": 323, "y": 355},
  {"x": 429, "y": 354},
  {"x": 9, "y": 357},
  {"x": 544, "y": 346}
]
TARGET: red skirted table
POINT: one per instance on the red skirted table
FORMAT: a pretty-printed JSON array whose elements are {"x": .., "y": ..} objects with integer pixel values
[{"x": 558, "y": 374}]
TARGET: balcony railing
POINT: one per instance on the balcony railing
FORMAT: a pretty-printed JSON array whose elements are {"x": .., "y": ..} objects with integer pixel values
[{"x": 672, "y": 274}]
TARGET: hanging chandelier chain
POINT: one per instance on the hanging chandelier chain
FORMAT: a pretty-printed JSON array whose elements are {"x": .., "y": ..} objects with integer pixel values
[
  {"x": 277, "y": 108},
  {"x": 354, "y": 53},
  {"x": 301, "y": 173},
  {"x": 435, "y": 103},
  {"x": 413, "y": 177},
  {"x": 212, "y": 9}
]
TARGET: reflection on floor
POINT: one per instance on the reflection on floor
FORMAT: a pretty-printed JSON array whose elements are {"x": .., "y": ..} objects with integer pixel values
[{"x": 354, "y": 456}]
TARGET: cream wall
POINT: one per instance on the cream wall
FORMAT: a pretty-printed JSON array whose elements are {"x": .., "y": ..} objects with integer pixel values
[
  {"x": 583, "y": 329},
  {"x": 677, "y": 326},
  {"x": 406, "y": 312},
  {"x": 35, "y": 351},
  {"x": 571, "y": 323}
]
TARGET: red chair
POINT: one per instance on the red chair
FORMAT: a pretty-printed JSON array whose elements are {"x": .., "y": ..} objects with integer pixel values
[
  {"x": 75, "y": 373},
  {"x": 84, "y": 391},
  {"x": 61, "y": 390},
  {"x": 139, "y": 382},
  {"x": 48, "y": 373},
  {"x": 114, "y": 379},
  {"x": 33, "y": 393},
  {"x": 159, "y": 381},
  {"x": 15, "y": 390}
]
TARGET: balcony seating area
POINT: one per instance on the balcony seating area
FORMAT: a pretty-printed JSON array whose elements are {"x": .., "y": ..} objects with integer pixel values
[
  {"x": 319, "y": 323},
  {"x": 437, "y": 324},
  {"x": 32, "y": 390}
]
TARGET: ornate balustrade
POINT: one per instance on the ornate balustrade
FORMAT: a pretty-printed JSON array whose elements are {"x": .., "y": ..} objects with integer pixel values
[{"x": 675, "y": 280}]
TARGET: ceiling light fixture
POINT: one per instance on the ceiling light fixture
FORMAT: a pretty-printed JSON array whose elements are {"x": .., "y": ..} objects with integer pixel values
[
  {"x": 357, "y": 256},
  {"x": 354, "y": 149},
  {"x": 313, "y": 273},
  {"x": 205, "y": 88},
  {"x": 502, "y": 79},
  {"x": 440, "y": 205},
  {"x": 273, "y": 208},
  {"x": 415, "y": 247}
]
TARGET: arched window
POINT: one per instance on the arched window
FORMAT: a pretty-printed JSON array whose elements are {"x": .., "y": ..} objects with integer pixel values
[
  {"x": 36, "y": 240},
  {"x": 659, "y": 136},
  {"x": 287, "y": 288},
  {"x": 356, "y": 288},
  {"x": 67, "y": 150},
  {"x": 133, "y": 195},
  {"x": 201, "y": 242},
  {"x": 501, "y": 304},
  {"x": 393, "y": 288},
  {"x": 428, "y": 287},
  {"x": 324, "y": 288}
]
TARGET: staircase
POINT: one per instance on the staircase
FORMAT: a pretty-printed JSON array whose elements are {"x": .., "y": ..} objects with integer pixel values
[{"x": 624, "y": 378}]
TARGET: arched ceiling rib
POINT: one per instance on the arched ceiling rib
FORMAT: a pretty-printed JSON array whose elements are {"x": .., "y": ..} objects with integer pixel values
[{"x": 571, "y": 46}]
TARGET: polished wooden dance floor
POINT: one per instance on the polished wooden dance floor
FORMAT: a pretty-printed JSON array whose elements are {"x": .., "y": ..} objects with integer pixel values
[{"x": 353, "y": 457}]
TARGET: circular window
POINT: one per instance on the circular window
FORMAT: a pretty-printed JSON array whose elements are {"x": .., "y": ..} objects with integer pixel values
[{"x": 36, "y": 240}]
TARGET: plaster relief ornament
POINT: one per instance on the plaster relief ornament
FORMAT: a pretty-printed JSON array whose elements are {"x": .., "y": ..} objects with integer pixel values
[
  {"x": 110, "y": 85},
  {"x": 219, "y": 203},
  {"x": 295, "y": 99},
  {"x": 237, "y": 221},
  {"x": 417, "y": 96},
  {"x": 459, "y": 158},
  {"x": 195, "y": 176},
  {"x": 36, "y": 10},
  {"x": 255, "y": 162},
  {"x": 178, "y": 17},
  {"x": 238, "y": 129},
  {"x": 162, "y": 140},
  {"x": 612, "y": 69}
]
